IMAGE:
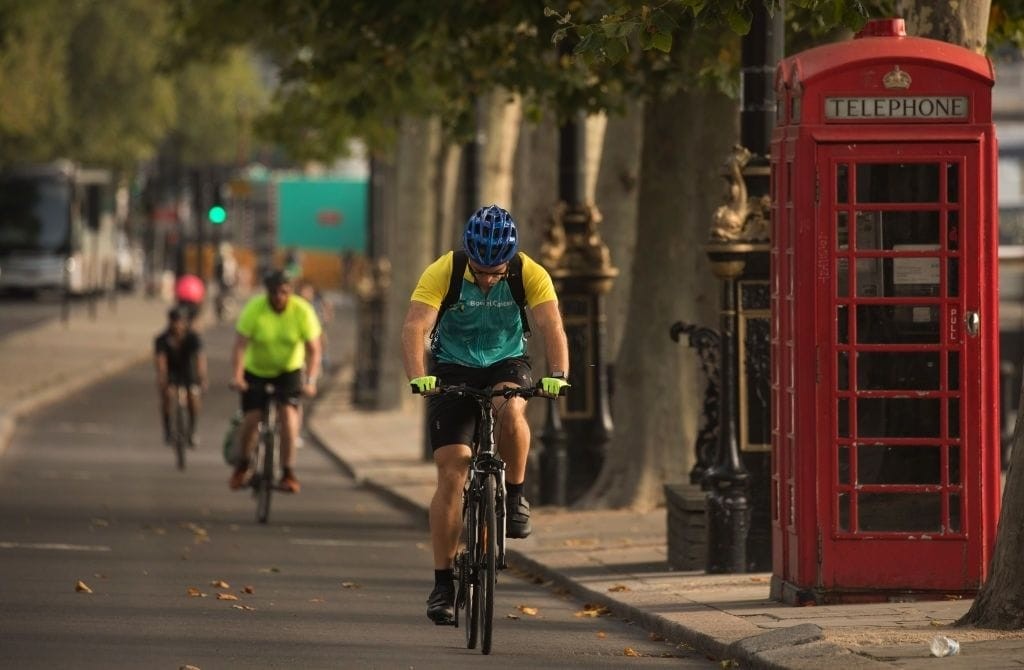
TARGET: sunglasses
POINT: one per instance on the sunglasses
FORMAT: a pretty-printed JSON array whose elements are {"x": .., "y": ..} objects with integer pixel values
[{"x": 484, "y": 273}]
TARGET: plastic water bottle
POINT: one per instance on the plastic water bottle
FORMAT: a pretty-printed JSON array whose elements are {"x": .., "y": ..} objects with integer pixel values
[{"x": 943, "y": 646}]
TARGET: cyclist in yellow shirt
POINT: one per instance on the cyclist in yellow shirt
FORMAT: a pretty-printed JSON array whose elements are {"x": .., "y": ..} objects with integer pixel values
[{"x": 277, "y": 342}]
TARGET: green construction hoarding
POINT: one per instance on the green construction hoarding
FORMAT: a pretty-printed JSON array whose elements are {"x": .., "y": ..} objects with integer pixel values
[{"x": 322, "y": 214}]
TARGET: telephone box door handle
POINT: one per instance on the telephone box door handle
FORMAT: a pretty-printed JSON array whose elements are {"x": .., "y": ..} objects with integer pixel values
[{"x": 973, "y": 323}]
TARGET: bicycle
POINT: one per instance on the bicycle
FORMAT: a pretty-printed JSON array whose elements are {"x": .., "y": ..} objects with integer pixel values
[
  {"x": 180, "y": 423},
  {"x": 262, "y": 481},
  {"x": 483, "y": 516}
]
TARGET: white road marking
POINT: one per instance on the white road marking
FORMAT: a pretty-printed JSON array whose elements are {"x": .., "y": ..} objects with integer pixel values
[
  {"x": 317, "y": 542},
  {"x": 55, "y": 546}
]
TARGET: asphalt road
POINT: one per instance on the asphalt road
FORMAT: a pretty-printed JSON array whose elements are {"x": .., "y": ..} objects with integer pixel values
[{"x": 180, "y": 574}]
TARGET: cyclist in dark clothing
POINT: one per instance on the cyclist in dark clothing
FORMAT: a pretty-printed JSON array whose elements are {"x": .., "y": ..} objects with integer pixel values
[{"x": 180, "y": 361}]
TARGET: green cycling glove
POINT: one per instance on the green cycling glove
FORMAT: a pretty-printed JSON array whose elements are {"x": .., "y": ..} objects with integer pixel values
[
  {"x": 423, "y": 384},
  {"x": 553, "y": 385}
]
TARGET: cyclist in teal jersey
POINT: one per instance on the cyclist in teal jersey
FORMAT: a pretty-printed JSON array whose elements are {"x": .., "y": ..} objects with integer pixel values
[{"x": 479, "y": 341}]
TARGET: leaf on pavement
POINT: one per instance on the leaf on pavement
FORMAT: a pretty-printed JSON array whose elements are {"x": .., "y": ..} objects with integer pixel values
[
  {"x": 244, "y": 608},
  {"x": 514, "y": 617},
  {"x": 618, "y": 588},
  {"x": 350, "y": 585},
  {"x": 220, "y": 584},
  {"x": 193, "y": 592},
  {"x": 591, "y": 610},
  {"x": 248, "y": 589},
  {"x": 100, "y": 575},
  {"x": 82, "y": 587},
  {"x": 271, "y": 569},
  {"x": 630, "y": 651},
  {"x": 528, "y": 611},
  {"x": 654, "y": 637},
  {"x": 601, "y": 634},
  {"x": 226, "y": 596},
  {"x": 188, "y": 667},
  {"x": 316, "y": 600}
]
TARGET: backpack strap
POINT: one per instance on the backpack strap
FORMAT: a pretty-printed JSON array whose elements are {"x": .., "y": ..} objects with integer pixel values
[
  {"x": 515, "y": 283},
  {"x": 459, "y": 262}
]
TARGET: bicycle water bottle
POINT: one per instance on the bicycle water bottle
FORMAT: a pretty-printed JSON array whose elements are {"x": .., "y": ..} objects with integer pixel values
[{"x": 943, "y": 646}]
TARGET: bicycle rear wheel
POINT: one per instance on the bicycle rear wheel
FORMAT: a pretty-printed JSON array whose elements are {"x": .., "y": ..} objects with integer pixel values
[
  {"x": 469, "y": 573},
  {"x": 488, "y": 564},
  {"x": 180, "y": 427},
  {"x": 264, "y": 475}
]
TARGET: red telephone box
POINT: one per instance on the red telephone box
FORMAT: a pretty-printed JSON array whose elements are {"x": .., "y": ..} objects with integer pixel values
[{"x": 885, "y": 435}]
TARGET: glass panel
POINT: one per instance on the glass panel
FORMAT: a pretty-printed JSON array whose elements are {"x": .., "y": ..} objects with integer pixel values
[
  {"x": 903, "y": 464},
  {"x": 954, "y": 417},
  {"x": 900, "y": 512},
  {"x": 842, "y": 177},
  {"x": 953, "y": 371},
  {"x": 897, "y": 182},
  {"x": 843, "y": 277},
  {"x": 844, "y": 465},
  {"x": 843, "y": 371},
  {"x": 869, "y": 277},
  {"x": 842, "y": 230},
  {"x": 953, "y": 277},
  {"x": 913, "y": 276},
  {"x": 893, "y": 230},
  {"x": 953, "y": 230},
  {"x": 842, "y": 324},
  {"x": 898, "y": 324},
  {"x": 844, "y": 512},
  {"x": 954, "y": 465},
  {"x": 884, "y": 370},
  {"x": 898, "y": 417},
  {"x": 953, "y": 182},
  {"x": 954, "y": 513},
  {"x": 843, "y": 417}
]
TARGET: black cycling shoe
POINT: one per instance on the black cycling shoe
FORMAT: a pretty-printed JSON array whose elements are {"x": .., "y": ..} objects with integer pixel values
[
  {"x": 517, "y": 519},
  {"x": 441, "y": 605}
]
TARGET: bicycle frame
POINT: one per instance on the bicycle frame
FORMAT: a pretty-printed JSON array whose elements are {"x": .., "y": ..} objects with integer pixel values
[{"x": 262, "y": 480}]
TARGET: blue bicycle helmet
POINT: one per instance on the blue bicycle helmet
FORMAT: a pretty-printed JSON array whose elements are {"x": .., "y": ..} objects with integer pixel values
[{"x": 490, "y": 238}]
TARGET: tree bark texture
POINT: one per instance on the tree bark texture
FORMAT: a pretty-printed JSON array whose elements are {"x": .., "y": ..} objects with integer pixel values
[
  {"x": 501, "y": 118},
  {"x": 658, "y": 391},
  {"x": 411, "y": 228},
  {"x": 963, "y": 22}
]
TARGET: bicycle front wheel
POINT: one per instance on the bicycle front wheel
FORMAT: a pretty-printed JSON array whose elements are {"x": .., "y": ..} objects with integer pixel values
[
  {"x": 180, "y": 428},
  {"x": 469, "y": 574},
  {"x": 264, "y": 476},
  {"x": 488, "y": 566}
]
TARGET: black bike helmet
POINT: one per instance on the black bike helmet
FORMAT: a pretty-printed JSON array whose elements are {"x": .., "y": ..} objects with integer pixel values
[{"x": 275, "y": 279}]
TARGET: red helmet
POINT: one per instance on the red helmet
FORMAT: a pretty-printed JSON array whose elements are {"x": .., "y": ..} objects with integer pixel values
[{"x": 189, "y": 288}]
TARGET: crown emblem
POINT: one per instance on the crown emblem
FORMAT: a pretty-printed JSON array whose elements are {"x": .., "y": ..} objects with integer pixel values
[{"x": 896, "y": 78}]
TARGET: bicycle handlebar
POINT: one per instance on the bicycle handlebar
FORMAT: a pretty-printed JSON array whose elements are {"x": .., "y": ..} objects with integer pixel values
[{"x": 491, "y": 392}]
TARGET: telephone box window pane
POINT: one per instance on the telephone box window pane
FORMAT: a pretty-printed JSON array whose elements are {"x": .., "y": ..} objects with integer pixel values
[
  {"x": 885, "y": 370},
  {"x": 953, "y": 277},
  {"x": 844, "y": 512},
  {"x": 844, "y": 465},
  {"x": 906, "y": 231},
  {"x": 898, "y": 182},
  {"x": 952, "y": 182},
  {"x": 898, "y": 324},
  {"x": 954, "y": 417},
  {"x": 953, "y": 371},
  {"x": 842, "y": 230},
  {"x": 953, "y": 230},
  {"x": 842, "y": 177},
  {"x": 869, "y": 277},
  {"x": 843, "y": 277},
  {"x": 954, "y": 465},
  {"x": 843, "y": 418},
  {"x": 954, "y": 514},
  {"x": 843, "y": 324},
  {"x": 894, "y": 512},
  {"x": 843, "y": 371},
  {"x": 898, "y": 417},
  {"x": 904, "y": 464},
  {"x": 869, "y": 230}
]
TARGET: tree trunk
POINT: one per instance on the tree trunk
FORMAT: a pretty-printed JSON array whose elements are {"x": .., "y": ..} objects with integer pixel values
[
  {"x": 963, "y": 22},
  {"x": 615, "y": 195},
  {"x": 502, "y": 116},
  {"x": 410, "y": 227},
  {"x": 659, "y": 395}
]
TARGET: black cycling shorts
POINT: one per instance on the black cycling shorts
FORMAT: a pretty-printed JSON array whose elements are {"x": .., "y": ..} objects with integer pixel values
[
  {"x": 452, "y": 420},
  {"x": 287, "y": 389}
]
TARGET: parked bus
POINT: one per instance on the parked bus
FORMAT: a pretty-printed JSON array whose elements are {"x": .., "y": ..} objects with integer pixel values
[{"x": 57, "y": 229}]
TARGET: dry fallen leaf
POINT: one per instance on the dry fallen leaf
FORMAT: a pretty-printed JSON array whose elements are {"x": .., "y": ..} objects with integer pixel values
[
  {"x": 601, "y": 634},
  {"x": 82, "y": 587},
  {"x": 244, "y": 608},
  {"x": 220, "y": 584},
  {"x": 618, "y": 588},
  {"x": 590, "y": 610},
  {"x": 349, "y": 585},
  {"x": 654, "y": 637},
  {"x": 630, "y": 651},
  {"x": 226, "y": 596},
  {"x": 248, "y": 589},
  {"x": 514, "y": 617},
  {"x": 188, "y": 667},
  {"x": 316, "y": 600},
  {"x": 529, "y": 611}
]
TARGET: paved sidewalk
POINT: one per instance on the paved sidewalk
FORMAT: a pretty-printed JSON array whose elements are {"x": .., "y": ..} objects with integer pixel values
[
  {"x": 613, "y": 558},
  {"x": 618, "y": 559}
]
